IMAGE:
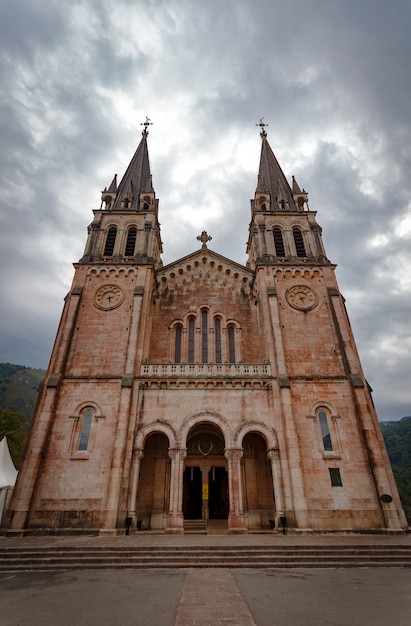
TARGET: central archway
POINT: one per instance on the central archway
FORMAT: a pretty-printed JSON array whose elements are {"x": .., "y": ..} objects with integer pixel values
[{"x": 205, "y": 487}]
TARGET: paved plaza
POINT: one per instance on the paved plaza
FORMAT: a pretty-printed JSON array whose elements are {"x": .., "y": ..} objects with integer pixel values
[{"x": 207, "y": 597}]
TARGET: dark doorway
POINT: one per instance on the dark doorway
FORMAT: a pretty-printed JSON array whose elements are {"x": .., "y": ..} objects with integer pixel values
[
  {"x": 218, "y": 493},
  {"x": 154, "y": 483},
  {"x": 192, "y": 489}
]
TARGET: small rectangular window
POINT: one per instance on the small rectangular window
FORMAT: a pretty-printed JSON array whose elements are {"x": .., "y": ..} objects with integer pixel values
[{"x": 335, "y": 476}]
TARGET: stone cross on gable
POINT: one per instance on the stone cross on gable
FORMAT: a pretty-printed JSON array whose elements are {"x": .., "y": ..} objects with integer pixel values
[{"x": 204, "y": 237}]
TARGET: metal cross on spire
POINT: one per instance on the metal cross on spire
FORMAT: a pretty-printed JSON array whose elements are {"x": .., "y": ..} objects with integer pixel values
[
  {"x": 204, "y": 237},
  {"x": 146, "y": 124},
  {"x": 262, "y": 125}
]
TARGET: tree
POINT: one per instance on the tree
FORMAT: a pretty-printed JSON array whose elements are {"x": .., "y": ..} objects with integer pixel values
[
  {"x": 12, "y": 427},
  {"x": 397, "y": 436}
]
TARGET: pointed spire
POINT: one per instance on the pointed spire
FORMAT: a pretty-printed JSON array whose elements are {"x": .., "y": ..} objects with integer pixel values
[
  {"x": 113, "y": 185},
  {"x": 137, "y": 179},
  {"x": 300, "y": 197},
  {"x": 109, "y": 195},
  {"x": 271, "y": 179},
  {"x": 296, "y": 187}
]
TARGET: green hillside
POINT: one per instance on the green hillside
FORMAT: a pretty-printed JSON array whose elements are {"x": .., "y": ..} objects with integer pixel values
[
  {"x": 19, "y": 386},
  {"x": 397, "y": 436}
]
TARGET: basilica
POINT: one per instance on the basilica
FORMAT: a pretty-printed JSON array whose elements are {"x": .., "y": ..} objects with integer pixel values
[{"x": 205, "y": 391}]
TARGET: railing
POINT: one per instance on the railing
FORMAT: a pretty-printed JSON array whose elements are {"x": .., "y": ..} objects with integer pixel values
[{"x": 185, "y": 370}]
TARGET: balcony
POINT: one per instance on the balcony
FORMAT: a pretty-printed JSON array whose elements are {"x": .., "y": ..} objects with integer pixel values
[{"x": 205, "y": 370}]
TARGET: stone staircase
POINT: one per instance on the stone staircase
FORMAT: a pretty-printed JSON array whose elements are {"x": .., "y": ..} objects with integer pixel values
[
  {"x": 313, "y": 556},
  {"x": 195, "y": 526}
]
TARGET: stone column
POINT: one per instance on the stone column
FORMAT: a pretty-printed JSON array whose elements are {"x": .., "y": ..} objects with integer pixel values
[
  {"x": 236, "y": 523},
  {"x": 175, "y": 520},
  {"x": 273, "y": 457},
  {"x": 147, "y": 231},
  {"x": 205, "y": 469},
  {"x": 262, "y": 237},
  {"x": 138, "y": 455}
]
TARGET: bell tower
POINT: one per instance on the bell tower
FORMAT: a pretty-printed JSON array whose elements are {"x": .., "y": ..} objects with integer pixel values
[
  {"x": 295, "y": 236},
  {"x": 314, "y": 361},
  {"x": 86, "y": 409},
  {"x": 125, "y": 229}
]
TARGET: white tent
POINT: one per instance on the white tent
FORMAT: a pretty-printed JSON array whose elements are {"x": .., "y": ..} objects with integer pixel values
[{"x": 8, "y": 472}]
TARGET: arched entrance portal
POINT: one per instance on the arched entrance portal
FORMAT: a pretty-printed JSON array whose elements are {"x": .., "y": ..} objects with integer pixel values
[
  {"x": 154, "y": 484},
  {"x": 258, "y": 482},
  {"x": 205, "y": 487}
]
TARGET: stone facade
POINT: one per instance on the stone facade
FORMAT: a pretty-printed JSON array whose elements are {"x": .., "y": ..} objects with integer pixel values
[{"x": 205, "y": 389}]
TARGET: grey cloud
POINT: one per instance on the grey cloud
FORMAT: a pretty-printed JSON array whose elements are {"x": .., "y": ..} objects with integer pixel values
[{"x": 332, "y": 81}]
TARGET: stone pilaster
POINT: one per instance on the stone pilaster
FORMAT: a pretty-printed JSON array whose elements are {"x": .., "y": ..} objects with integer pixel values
[
  {"x": 175, "y": 518},
  {"x": 273, "y": 456},
  {"x": 236, "y": 522},
  {"x": 138, "y": 455}
]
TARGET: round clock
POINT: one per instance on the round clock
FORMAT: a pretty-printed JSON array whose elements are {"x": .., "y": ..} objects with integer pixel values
[
  {"x": 108, "y": 297},
  {"x": 301, "y": 297}
]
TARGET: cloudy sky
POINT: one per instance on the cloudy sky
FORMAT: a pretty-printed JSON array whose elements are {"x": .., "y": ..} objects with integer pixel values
[{"x": 332, "y": 79}]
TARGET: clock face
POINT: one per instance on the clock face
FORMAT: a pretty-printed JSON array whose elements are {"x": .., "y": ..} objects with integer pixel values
[
  {"x": 301, "y": 297},
  {"x": 108, "y": 297}
]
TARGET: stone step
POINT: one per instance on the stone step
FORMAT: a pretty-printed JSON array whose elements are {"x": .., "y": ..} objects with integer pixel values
[
  {"x": 209, "y": 558},
  {"x": 206, "y": 564},
  {"x": 198, "y": 550},
  {"x": 195, "y": 527},
  {"x": 58, "y": 558},
  {"x": 243, "y": 553}
]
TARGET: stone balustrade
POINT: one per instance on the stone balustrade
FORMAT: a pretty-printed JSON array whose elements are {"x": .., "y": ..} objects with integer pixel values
[{"x": 198, "y": 370}]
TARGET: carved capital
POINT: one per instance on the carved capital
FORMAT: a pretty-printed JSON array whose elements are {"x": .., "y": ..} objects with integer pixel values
[
  {"x": 273, "y": 454},
  {"x": 233, "y": 454},
  {"x": 177, "y": 454}
]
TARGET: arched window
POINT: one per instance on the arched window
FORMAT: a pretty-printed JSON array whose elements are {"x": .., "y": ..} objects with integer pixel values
[
  {"x": 278, "y": 242},
  {"x": 299, "y": 242},
  {"x": 131, "y": 241},
  {"x": 325, "y": 431},
  {"x": 177, "y": 345},
  {"x": 217, "y": 330},
  {"x": 191, "y": 340},
  {"x": 110, "y": 241},
  {"x": 87, "y": 418},
  {"x": 231, "y": 344},
  {"x": 204, "y": 336}
]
